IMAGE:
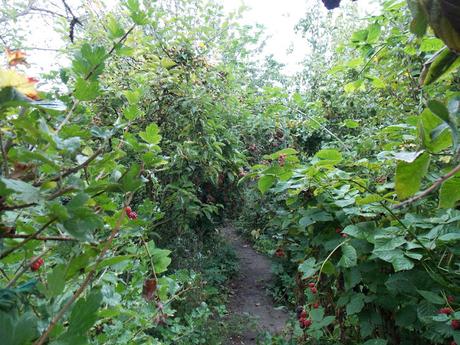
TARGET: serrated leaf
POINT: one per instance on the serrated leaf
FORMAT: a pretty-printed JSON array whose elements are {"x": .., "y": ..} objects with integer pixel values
[
  {"x": 308, "y": 268},
  {"x": 265, "y": 183},
  {"x": 151, "y": 134},
  {"x": 409, "y": 175},
  {"x": 86, "y": 90},
  {"x": 349, "y": 256},
  {"x": 22, "y": 191}
]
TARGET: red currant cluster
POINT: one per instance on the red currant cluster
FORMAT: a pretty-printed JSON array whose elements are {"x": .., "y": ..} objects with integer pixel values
[
  {"x": 302, "y": 317},
  {"x": 313, "y": 288},
  {"x": 35, "y": 266},
  {"x": 130, "y": 213}
]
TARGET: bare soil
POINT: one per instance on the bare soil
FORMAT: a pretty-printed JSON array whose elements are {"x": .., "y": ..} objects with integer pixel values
[{"x": 249, "y": 296}]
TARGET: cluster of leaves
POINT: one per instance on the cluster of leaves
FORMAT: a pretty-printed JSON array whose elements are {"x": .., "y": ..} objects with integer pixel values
[
  {"x": 141, "y": 153},
  {"x": 361, "y": 219}
]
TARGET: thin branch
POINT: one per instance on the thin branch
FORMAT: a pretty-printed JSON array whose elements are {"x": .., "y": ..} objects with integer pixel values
[
  {"x": 72, "y": 170},
  {"x": 29, "y": 238},
  {"x": 16, "y": 207},
  {"x": 36, "y": 9},
  {"x": 4, "y": 156},
  {"x": 430, "y": 189},
  {"x": 39, "y": 238},
  {"x": 43, "y": 338}
]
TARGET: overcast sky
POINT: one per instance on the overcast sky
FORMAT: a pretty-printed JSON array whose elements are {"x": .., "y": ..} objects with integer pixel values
[{"x": 279, "y": 18}]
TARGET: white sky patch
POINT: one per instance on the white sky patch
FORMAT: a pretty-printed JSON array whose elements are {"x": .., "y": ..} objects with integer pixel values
[{"x": 278, "y": 17}]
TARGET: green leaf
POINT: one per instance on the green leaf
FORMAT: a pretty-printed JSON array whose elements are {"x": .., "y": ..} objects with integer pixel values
[
  {"x": 409, "y": 175},
  {"x": 356, "y": 304},
  {"x": 56, "y": 281},
  {"x": 449, "y": 192},
  {"x": 265, "y": 183},
  {"x": 151, "y": 134},
  {"x": 16, "y": 330},
  {"x": 431, "y": 297},
  {"x": 114, "y": 27},
  {"x": 114, "y": 260},
  {"x": 86, "y": 90},
  {"x": 308, "y": 268},
  {"x": 431, "y": 44},
  {"x": 82, "y": 223},
  {"x": 439, "y": 109},
  {"x": 22, "y": 191},
  {"x": 351, "y": 123},
  {"x": 349, "y": 256},
  {"x": 376, "y": 342},
  {"x": 374, "y": 31},
  {"x": 401, "y": 263},
  {"x": 327, "y": 157},
  {"x": 84, "y": 313},
  {"x": 160, "y": 259},
  {"x": 433, "y": 132},
  {"x": 131, "y": 181}
]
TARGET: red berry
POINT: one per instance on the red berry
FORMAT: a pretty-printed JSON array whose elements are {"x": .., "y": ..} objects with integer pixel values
[
  {"x": 35, "y": 266},
  {"x": 338, "y": 230},
  {"x": 313, "y": 290},
  {"x": 450, "y": 299},
  {"x": 344, "y": 235},
  {"x": 132, "y": 215},
  {"x": 128, "y": 210},
  {"x": 446, "y": 311},
  {"x": 306, "y": 323},
  {"x": 455, "y": 324},
  {"x": 303, "y": 314},
  {"x": 311, "y": 285},
  {"x": 316, "y": 305}
]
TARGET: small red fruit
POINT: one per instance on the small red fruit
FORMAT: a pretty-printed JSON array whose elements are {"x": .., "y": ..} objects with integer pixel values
[
  {"x": 316, "y": 305},
  {"x": 450, "y": 299},
  {"x": 338, "y": 230},
  {"x": 344, "y": 235},
  {"x": 446, "y": 311},
  {"x": 35, "y": 266},
  {"x": 455, "y": 324},
  {"x": 303, "y": 314},
  {"x": 311, "y": 285},
  {"x": 132, "y": 215},
  {"x": 304, "y": 323},
  {"x": 313, "y": 290},
  {"x": 128, "y": 210}
]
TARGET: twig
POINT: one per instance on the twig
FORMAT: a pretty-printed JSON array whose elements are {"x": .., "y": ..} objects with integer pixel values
[
  {"x": 43, "y": 338},
  {"x": 430, "y": 189},
  {"x": 17, "y": 207},
  {"x": 72, "y": 170},
  {"x": 39, "y": 238},
  {"x": 29, "y": 238},
  {"x": 4, "y": 156}
]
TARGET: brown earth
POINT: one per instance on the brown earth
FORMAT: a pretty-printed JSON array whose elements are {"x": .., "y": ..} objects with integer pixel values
[{"x": 249, "y": 296}]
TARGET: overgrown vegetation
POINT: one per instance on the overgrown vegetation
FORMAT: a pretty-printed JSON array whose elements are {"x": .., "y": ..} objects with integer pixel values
[{"x": 114, "y": 181}]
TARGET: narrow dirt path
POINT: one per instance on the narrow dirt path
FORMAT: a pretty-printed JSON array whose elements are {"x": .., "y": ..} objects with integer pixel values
[{"x": 249, "y": 296}]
